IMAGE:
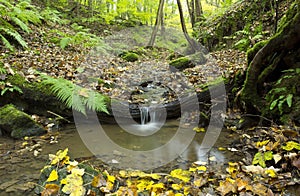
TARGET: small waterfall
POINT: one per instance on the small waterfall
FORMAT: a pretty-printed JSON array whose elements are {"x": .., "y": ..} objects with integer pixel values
[
  {"x": 144, "y": 112},
  {"x": 152, "y": 119},
  {"x": 148, "y": 115}
]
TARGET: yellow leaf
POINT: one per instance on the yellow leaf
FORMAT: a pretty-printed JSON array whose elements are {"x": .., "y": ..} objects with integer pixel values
[
  {"x": 123, "y": 173},
  {"x": 242, "y": 184},
  {"x": 230, "y": 180},
  {"x": 111, "y": 178},
  {"x": 153, "y": 176},
  {"x": 233, "y": 168},
  {"x": 201, "y": 168},
  {"x": 77, "y": 171},
  {"x": 83, "y": 92},
  {"x": 262, "y": 143},
  {"x": 226, "y": 187},
  {"x": 181, "y": 174},
  {"x": 176, "y": 187},
  {"x": 65, "y": 160},
  {"x": 186, "y": 190},
  {"x": 199, "y": 129},
  {"x": 74, "y": 185},
  {"x": 64, "y": 181},
  {"x": 53, "y": 176},
  {"x": 221, "y": 149},
  {"x": 158, "y": 186},
  {"x": 144, "y": 184},
  {"x": 98, "y": 181},
  {"x": 62, "y": 154},
  {"x": 197, "y": 182},
  {"x": 290, "y": 145},
  {"x": 271, "y": 172}
]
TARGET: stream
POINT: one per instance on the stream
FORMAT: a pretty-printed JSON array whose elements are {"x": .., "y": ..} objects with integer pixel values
[{"x": 18, "y": 171}]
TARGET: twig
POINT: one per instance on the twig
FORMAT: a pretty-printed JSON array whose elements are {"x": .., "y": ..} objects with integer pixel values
[{"x": 59, "y": 116}]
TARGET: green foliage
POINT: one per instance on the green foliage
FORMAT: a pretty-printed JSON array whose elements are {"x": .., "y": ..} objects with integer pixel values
[
  {"x": 6, "y": 86},
  {"x": 81, "y": 37},
  {"x": 284, "y": 90},
  {"x": 50, "y": 15},
  {"x": 247, "y": 37},
  {"x": 261, "y": 158},
  {"x": 16, "y": 16},
  {"x": 74, "y": 96}
]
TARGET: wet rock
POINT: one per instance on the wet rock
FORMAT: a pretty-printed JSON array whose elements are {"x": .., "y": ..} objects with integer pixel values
[{"x": 18, "y": 124}]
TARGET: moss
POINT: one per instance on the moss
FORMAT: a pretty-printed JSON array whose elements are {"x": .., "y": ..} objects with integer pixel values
[
  {"x": 17, "y": 123},
  {"x": 181, "y": 63},
  {"x": 130, "y": 56},
  {"x": 36, "y": 87},
  {"x": 252, "y": 51}
]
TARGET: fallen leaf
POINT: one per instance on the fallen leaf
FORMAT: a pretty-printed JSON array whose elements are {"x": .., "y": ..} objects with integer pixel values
[
  {"x": 199, "y": 129},
  {"x": 290, "y": 145},
  {"x": 181, "y": 174},
  {"x": 53, "y": 176},
  {"x": 50, "y": 190},
  {"x": 226, "y": 187}
]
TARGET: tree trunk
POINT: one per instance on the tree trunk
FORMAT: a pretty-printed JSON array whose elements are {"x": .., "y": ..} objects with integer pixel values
[
  {"x": 191, "y": 9},
  {"x": 190, "y": 41},
  {"x": 266, "y": 62},
  {"x": 198, "y": 11},
  {"x": 159, "y": 15}
]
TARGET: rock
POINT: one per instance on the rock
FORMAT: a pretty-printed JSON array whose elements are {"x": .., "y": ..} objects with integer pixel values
[
  {"x": 130, "y": 56},
  {"x": 18, "y": 124},
  {"x": 182, "y": 63}
]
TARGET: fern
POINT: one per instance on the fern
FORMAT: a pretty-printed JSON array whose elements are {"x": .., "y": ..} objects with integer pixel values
[
  {"x": 6, "y": 43},
  {"x": 14, "y": 34},
  {"x": 21, "y": 24},
  {"x": 74, "y": 96},
  {"x": 51, "y": 15},
  {"x": 14, "y": 17},
  {"x": 64, "y": 42}
]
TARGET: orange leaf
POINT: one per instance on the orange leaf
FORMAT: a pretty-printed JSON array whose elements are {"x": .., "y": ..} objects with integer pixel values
[{"x": 50, "y": 190}]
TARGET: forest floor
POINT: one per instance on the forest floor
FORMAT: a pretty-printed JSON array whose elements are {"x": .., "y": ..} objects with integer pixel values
[{"x": 269, "y": 159}]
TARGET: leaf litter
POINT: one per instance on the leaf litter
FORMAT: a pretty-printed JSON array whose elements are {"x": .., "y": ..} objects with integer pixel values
[{"x": 269, "y": 162}]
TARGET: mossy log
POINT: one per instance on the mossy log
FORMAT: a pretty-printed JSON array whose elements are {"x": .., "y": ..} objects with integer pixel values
[
  {"x": 37, "y": 99},
  {"x": 278, "y": 54}
]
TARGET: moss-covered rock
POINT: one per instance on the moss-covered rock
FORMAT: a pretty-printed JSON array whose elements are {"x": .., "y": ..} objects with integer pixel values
[
  {"x": 130, "y": 56},
  {"x": 181, "y": 63},
  {"x": 18, "y": 124}
]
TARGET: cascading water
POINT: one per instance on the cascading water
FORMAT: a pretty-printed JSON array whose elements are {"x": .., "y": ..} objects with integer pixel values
[
  {"x": 144, "y": 113},
  {"x": 148, "y": 115}
]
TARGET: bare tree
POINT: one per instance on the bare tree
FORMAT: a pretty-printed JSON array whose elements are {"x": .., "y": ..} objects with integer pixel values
[
  {"x": 195, "y": 11},
  {"x": 183, "y": 27},
  {"x": 158, "y": 22}
]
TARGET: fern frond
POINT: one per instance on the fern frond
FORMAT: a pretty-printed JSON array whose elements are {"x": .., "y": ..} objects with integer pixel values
[
  {"x": 64, "y": 42},
  {"x": 6, "y": 43},
  {"x": 51, "y": 15},
  {"x": 6, "y": 3},
  {"x": 21, "y": 24},
  {"x": 73, "y": 95},
  {"x": 15, "y": 35},
  {"x": 96, "y": 101}
]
